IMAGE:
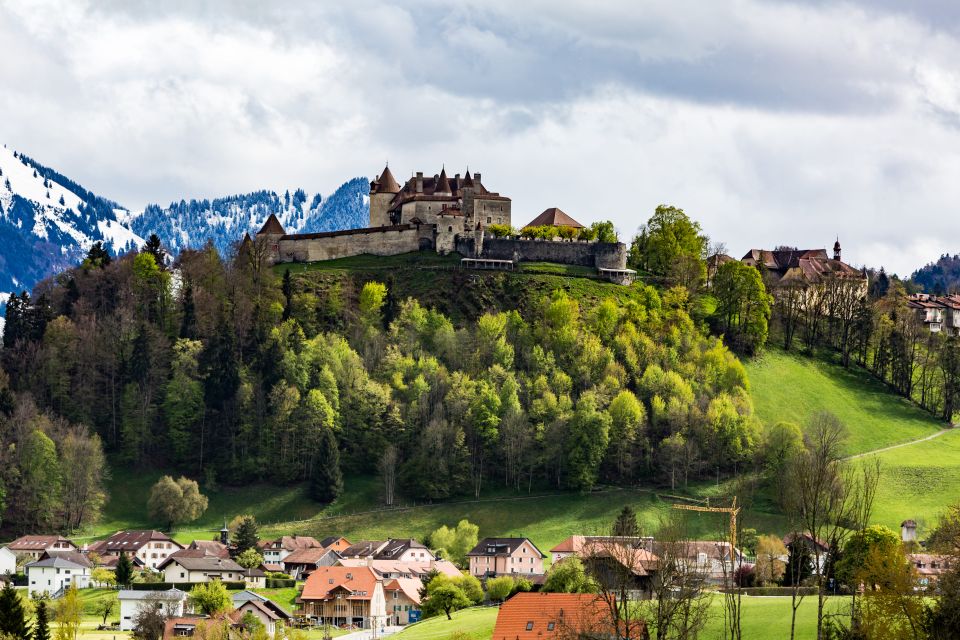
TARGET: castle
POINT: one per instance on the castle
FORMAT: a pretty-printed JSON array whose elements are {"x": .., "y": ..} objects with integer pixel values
[{"x": 446, "y": 215}]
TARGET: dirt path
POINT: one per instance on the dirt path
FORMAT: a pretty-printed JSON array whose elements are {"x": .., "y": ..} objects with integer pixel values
[{"x": 902, "y": 444}]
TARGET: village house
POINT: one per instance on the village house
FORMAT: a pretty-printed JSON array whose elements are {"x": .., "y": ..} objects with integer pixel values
[
  {"x": 814, "y": 547},
  {"x": 355, "y": 595},
  {"x": 710, "y": 560},
  {"x": 929, "y": 568},
  {"x": 622, "y": 563},
  {"x": 55, "y": 572},
  {"x": 201, "y": 626},
  {"x": 263, "y": 609},
  {"x": 212, "y": 547},
  {"x": 35, "y": 546},
  {"x": 403, "y": 569},
  {"x": 807, "y": 271},
  {"x": 197, "y": 565},
  {"x": 275, "y": 551},
  {"x": 405, "y": 550},
  {"x": 937, "y": 313},
  {"x": 8, "y": 562},
  {"x": 566, "y": 616},
  {"x": 172, "y": 602},
  {"x": 302, "y": 562},
  {"x": 152, "y": 548},
  {"x": 363, "y": 549},
  {"x": 505, "y": 556},
  {"x": 580, "y": 546}
]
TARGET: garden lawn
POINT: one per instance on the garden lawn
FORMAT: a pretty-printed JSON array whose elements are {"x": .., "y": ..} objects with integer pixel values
[
  {"x": 790, "y": 387},
  {"x": 476, "y": 622}
]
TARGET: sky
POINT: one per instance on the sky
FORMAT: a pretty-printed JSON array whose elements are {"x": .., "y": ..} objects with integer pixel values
[{"x": 770, "y": 122}]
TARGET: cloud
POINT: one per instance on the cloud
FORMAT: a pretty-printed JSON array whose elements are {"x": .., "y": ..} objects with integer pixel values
[{"x": 770, "y": 122}]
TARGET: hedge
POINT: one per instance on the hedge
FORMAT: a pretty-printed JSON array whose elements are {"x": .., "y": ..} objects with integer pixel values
[
  {"x": 773, "y": 591},
  {"x": 280, "y": 583},
  {"x": 183, "y": 586}
]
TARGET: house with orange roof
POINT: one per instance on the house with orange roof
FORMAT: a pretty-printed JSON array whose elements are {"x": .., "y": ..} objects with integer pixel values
[
  {"x": 346, "y": 596},
  {"x": 543, "y": 616}
]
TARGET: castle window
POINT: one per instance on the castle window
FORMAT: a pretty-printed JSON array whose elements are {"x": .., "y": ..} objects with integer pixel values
[
  {"x": 448, "y": 229},
  {"x": 488, "y": 219}
]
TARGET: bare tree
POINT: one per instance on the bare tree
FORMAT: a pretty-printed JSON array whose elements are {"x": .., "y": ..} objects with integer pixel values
[
  {"x": 824, "y": 494},
  {"x": 622, "y": 568},
  {"x": 388, "y": 472}
]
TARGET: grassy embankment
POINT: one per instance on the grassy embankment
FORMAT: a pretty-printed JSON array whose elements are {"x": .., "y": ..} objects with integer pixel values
[{"x": 766, "y": 618}]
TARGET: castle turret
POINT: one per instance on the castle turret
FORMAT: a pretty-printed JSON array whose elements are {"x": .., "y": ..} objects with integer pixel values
[
  {"x": 271, "y": 232},
  {"x": 382, "y": 191},
  {"x": 836, "y": 249}
]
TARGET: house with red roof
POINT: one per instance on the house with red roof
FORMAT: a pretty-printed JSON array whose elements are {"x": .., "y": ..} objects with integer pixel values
[
  {"x": 543, "y": 616},
  {"x": 349, "y": 596}
]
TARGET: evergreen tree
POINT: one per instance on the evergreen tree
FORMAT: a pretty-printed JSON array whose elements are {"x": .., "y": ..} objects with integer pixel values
[
  {"x": 287, "y": 289},
  {"x": 41, "y": 624},
  {"x": 247, "y": 534},
  {"x": 626, "y": 523},
  {"x": 327, "y": 481},
  {"x": 188, "y": 323},
  {"x": 124, "y": 570},
  {"x": 799, "y": 563},
  {"x": 155, "y": 248},
  {"x": 97, "y": 257},
  {"x": 13, "y": 619}
]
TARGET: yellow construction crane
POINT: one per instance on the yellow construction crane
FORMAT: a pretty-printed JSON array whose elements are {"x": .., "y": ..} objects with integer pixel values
[{"x": 732, "y": 510}]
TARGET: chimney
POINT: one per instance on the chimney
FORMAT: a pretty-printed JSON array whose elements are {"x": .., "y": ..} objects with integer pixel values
[
  {"x": 908, "y": 531},
  {"x": 419, "y": 181},
  {"x": 476, "y": 177}
]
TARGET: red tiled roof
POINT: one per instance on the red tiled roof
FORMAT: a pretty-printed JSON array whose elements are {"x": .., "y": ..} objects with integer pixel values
[
  {"x": 386, "y": 183},
  {"x": 131, "y": 541},
  {"x": 36, "y": 543},
  {"x": 536, "y": 616},
  {"x": 359, "y": 582}
]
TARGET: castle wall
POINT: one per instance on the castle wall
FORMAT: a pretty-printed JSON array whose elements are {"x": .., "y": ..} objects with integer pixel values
[
  {"x": 383, "y": 241},
  {"x": 608, "y": 255}
]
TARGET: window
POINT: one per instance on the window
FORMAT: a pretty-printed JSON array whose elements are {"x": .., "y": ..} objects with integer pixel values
[
  {"x": 489, "y": 219},
  {"x": 551, "y": 626},
  {"x": 448, "y": 229},
  {"x": 530, "y": 625}
]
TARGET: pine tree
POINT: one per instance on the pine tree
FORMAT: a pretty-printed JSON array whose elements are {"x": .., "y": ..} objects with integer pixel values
[
  {"x": 97, "y": 256},
  {"x": 41, "y": 626},
  {"x": 13, "y": 619},
  {"x": 63, "y": 202},
  {"x": 188, "y": 323},
  {"x": 626, "y": 523},
  {"x": 155, "y": 248},
  {"x": 124, "y": 570},
  {"x": 799, "y": 563},
  {"x": 246, "y": 536},
  {"x": 327, "y": 481}
]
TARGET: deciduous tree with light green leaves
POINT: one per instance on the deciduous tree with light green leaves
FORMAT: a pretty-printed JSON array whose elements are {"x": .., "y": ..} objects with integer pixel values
[
  {"x": 668, "y": 240},
  {"x": 455, "y": 543},
  {"x": 176, "y": 501},
  {"x": 500, "y": 588},
  {"x": 568, "y": 576},
  {"x": 743, "y": 307},
  {"x": 210, "y": 598}
]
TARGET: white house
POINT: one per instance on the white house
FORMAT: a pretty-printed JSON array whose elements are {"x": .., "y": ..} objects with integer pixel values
[
  {"x": 171, "y": 601},
  {"x": 192, "y": 565},
  {"x": 264, "y": 609},
  {"x": 152, "y": 548},
  {"x": 8, "y": 562},
  {"x": 57, "y": 572}
]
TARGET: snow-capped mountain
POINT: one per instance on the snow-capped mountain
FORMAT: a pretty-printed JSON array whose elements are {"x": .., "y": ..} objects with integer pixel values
[
  {"x": 191, "y": 224},
  {"x": 48, "y": 222}
]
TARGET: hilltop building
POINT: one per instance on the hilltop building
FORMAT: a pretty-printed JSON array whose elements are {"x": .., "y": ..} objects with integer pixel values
[{"x": 442, "y": 214}]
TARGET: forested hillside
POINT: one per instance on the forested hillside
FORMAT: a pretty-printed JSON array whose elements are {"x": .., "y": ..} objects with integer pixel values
[
  {"x": 940, "y": 277},
  {"x": 229, "y": 371}
]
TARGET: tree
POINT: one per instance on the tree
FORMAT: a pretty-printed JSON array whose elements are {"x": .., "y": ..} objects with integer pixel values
[
  {"x": 889, "y": 607},
  {"x": 97, "y": 257},
  {"x": 13, "y": 618},
  {"x": 454, "y": 544},
  {"x": 39, "y": 496},
  {"x": 41, "y": 622},
  {"x": 770, "y": 567},
  {"x": 104, "y": 607},
  {"x": 372, "y": 297},
  {"x": 154, "y": 247},
  {"x": 587, "y": 441},
  {"x": 176, "y": 501},
  {"x": 68, "y": 612},
  {"x": 500, "y": 588},
  {"x": 944, "y": 619},
  {"x": 388, "y": 473},
  {"x": 626, "y": 523},
  {"x": 287, "y": 289},
  {"x": 327, "y": 481},
  {"x": 149, "y": 621},
  {"x": 210, "y": 598},
  {"x": 249, "y": 559},
  {"x": 851, "y": 568},
  {"x": 568, "y": 576},
  {"x": 84, "y": 470},
  {"x": 246, "y": 536},
  {"x": 669, "y": 238},
  {"x": 743, "y": 306},
  {"x": 627, "y": 416},
  {"x": 443, "y": 595},
  {"x": 124, "y": 570},
  {"x": 103, "y": 576}
]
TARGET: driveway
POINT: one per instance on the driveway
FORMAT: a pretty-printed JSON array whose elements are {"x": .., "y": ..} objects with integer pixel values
[{"x": 367, "y": 634}]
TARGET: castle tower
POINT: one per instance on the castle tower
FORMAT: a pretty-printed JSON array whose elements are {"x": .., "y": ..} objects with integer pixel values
[
  {"x": 382, "y": 190},
  {"x": 836, "y": 249},
  {"x": 271, "y": 232}
]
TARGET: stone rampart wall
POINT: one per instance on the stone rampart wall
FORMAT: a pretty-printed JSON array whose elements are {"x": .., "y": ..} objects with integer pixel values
[
  {"x": 381, "y": 241},
  {"x": 608, "y": 255}
]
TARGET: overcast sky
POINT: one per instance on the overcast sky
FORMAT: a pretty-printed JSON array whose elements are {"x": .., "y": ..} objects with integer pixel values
[{"x": 769, "y": 122}]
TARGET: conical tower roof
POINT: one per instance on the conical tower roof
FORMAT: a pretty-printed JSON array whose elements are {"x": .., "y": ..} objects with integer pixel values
[
  {"x": 386, "y": 182},
  {"x": 468, "y": 180},
  {"x": 272, "y": 226},
  {"x": 443, "y": 185}
]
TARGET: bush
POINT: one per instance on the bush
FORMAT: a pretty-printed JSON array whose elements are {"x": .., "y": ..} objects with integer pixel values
[{"x": 280, "y": 583}]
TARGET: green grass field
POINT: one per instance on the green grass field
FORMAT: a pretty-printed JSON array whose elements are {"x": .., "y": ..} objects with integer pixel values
[
  {"x": 763, "y": 618},
  {"x": 788, "y": 387}
]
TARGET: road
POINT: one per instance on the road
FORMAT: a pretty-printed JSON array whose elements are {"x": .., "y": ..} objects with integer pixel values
[{"x": 897, "y": 446}]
